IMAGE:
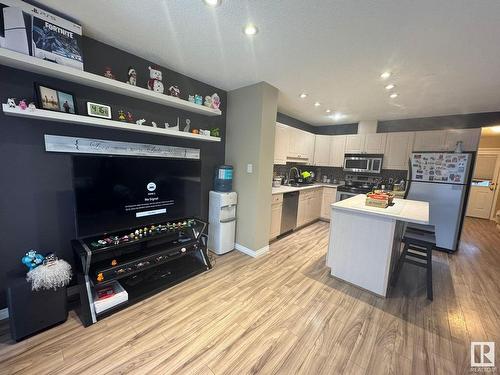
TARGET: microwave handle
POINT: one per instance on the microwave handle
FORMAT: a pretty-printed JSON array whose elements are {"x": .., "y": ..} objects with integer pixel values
[{"x": 369, "y": 165}]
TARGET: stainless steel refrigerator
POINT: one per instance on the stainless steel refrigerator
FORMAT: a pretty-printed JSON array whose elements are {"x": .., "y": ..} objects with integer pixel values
[{"x": 442, "y": 179}]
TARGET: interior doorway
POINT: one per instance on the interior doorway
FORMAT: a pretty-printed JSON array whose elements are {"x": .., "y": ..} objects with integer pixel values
[{"x": 484, "y": 199}]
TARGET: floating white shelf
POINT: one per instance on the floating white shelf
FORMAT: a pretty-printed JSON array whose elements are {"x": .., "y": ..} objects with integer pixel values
[
  {"x": 41, "y": 114},
  {"x": 32, "y": 64}
]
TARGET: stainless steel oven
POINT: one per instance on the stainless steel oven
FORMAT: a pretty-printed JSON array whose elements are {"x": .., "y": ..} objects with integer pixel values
[
  {"x": 341, "y": 195},
  {"x": 365, "y": 163}
]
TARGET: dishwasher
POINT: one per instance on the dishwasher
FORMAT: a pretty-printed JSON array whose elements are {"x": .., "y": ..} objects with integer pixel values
[{"x": 289, "y": 213}]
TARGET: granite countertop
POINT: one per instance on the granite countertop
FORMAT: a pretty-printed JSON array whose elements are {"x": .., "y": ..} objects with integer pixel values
[
  {"x": 403, "y": 209},
  {"x": 288, "y": 189}
]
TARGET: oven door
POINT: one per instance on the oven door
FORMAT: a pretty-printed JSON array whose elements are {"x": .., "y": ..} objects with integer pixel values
[
  {"x": 356, "y": 164},
  {"x": 341, "y": 195}
]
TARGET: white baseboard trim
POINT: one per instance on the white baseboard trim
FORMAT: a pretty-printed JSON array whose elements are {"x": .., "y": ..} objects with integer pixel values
[
  {"x": 4, "y": 314},
  {"x": 250, "y": 252}
]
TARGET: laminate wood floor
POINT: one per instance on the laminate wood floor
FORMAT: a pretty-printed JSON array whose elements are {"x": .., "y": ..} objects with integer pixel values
[{"x": 283, "y": 314}]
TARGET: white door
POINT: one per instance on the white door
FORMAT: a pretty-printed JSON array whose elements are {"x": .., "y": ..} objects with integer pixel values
[
  {"x": 480, "y": 201},
  {"x": 482, "y": 192}
]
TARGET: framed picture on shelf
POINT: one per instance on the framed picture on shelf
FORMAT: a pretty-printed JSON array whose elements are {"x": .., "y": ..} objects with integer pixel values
[
  {"x": 98, "y": 110},
  {"x": 55, "y": 100}
]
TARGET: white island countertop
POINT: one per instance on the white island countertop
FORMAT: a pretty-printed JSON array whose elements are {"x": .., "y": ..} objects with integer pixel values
[
  {"x": 403, "y": 209},
  {"x": 288, "y": 189}
]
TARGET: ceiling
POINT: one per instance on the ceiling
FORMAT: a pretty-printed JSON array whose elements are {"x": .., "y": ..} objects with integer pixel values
[{"x": 444, "y": 55}]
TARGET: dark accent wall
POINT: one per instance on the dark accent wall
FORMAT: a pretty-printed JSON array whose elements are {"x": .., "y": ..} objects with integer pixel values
[
  {"x": 36, "y": 197},
  {"x": 294, "y": 123},
  {"x": 324, "y": 129},
  {"x": 473, "y": 120}
]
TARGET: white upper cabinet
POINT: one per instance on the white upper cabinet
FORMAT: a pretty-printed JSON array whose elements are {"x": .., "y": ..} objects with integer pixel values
[
  {"x": 322, "y": 150},
  {"x": 375, "y": 143},
  {"x": 432, "y": 140},
  {"x": 397, "y": 150},
  {"x": 337, "y": 150},
  {"x": 446, "y": 140},
  {"x": 301, "y": 145},
  {"x": 281, "y": 141},
  {"x": 355, "y": 143},
  {"x": 469, "y": 138}
]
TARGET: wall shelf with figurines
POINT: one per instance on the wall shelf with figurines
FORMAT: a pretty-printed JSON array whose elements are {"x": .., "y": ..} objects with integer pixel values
[
  {"x": 154, "y": 92},
  {"x": 69, "y": 118}
]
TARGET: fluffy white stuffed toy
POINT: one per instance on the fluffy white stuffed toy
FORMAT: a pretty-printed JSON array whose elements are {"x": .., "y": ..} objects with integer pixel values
[{"x": 52, "y": 274}]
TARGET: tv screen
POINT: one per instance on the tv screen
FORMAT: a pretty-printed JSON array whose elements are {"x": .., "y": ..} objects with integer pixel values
[{"x": 114, "y": 193}]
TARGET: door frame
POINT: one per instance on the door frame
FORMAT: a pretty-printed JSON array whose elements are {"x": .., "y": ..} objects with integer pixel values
[{"x": 483, "y": 151}]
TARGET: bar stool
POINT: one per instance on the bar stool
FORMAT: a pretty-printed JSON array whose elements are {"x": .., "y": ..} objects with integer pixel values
[{"x": 418, "y": 245}]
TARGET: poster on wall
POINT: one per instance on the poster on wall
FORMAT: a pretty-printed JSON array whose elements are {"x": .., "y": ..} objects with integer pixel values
[{"x": 34, "y": 31}]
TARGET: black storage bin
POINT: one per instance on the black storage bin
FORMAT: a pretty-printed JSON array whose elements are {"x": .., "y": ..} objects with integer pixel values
[{"x": 31, "y": 312}]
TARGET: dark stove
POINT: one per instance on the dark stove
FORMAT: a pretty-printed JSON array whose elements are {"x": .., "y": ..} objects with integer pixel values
[{"x": 358, "y": 185}]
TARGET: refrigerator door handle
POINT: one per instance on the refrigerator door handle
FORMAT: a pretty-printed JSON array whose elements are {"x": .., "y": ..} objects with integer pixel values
[{"x": 228, "y": 220}]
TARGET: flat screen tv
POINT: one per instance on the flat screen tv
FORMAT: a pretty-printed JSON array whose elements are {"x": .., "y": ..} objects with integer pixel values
[{"x": 114, "y": 193}]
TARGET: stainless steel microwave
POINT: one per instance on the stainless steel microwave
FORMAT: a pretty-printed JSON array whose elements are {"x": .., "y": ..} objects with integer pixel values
[{"x": 365, "y": 163}]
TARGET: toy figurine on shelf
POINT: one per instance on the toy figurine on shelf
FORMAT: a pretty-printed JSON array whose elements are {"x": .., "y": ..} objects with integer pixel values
[
  {"x": 198, "y": 99},
  {"x": 11, "y": 102},
  {"x": 204, "y": 132},
  {"x": 154, "y": 124},
  {"x": 121, "y": 116},
  {"x": 191, "y": 98},
  {"x": 174, "y": 91},
  {"x": 108, "y": 73},
  {"x": 208, "y": 101},
  {"x": 155, "y": 80},
  {"x": 215, "y": 101},
  {"x": 195, "y": 131},
  {"x": 176, "y": 127},
  {"x": 141, "y": 121},
  {"x": 188, "y": 125},
  {"x": 23, "y": 105},
  {"x": 32, "y": 106},
  {"x": 132, "y": 76},
  {"x": 32, "y": 259},
  {"x": 130, "y": 118}
]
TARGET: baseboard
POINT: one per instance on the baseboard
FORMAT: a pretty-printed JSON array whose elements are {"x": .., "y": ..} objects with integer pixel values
[
  {"x": 250, "y": 252},
  {"x": 4, "y": 314}
]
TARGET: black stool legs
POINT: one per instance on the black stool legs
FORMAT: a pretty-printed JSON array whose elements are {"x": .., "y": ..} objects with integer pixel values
[{"x": 418, "y": 251}]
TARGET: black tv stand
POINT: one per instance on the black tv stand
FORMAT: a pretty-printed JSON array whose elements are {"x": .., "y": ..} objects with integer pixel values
[{"x": 143, "y": 260}]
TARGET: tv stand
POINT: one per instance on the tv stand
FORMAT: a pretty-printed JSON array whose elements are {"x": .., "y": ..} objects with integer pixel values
[{"x": 144, "y": 260}]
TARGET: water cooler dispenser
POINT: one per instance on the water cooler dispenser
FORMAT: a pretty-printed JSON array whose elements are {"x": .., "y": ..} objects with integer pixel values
[{"x": 222, "y": 221}]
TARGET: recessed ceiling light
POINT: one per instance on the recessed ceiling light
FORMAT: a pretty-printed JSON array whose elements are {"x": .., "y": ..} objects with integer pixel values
[
  {"x": 317, "y": 104},
  {"x": 393, "y": 95},
  {"x": 337, "y": 116},
  {"x": 250, "y": 29},
  {"x": 328, "y": 110},
  {"x": 390, "y": 86},
  {"x": 212, "y": 3},
  {"x": 303, "y": 95},
  {"x": 385, "y": 75}
]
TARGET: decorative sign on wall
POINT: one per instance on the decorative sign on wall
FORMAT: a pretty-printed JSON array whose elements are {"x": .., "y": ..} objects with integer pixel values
[{"x": 56, "y": 143}]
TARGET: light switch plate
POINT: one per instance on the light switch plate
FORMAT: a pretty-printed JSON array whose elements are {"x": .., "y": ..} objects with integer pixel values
[{"x": 249, "y": 168}]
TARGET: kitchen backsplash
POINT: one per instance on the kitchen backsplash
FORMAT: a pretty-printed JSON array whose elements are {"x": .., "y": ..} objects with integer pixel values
[{"x": 335, "y": 172}]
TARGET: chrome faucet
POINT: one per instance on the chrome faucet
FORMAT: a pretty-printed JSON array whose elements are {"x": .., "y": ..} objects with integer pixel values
[{"x": 297, "y": 172}]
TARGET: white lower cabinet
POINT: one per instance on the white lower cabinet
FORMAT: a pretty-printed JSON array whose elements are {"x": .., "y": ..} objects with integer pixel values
[
  {"x": 276, "y": 210},
  {"x": 329, "y": 197}
]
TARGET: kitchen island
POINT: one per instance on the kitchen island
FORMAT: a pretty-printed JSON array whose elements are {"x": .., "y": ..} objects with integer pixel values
[{"x": 365, "y": 241}]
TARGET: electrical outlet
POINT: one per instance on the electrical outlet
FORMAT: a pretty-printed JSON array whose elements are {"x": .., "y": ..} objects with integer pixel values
[{"x": 249, "y": 168}]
